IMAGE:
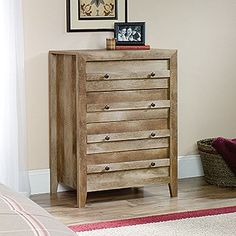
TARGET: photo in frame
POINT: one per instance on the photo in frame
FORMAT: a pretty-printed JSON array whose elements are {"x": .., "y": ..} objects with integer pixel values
[
  {"x": 130, "y": 33},
  {"x": 95, "y": 15}
]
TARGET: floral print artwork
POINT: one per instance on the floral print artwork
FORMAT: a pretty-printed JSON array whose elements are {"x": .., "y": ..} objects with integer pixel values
[{"x": 97, "y": 9}]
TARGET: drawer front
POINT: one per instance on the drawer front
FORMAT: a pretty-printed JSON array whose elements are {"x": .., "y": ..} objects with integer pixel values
[
  {"x": 99, "y": 117},
  {"x": 128, "y": 106},
  {"x": 127, "y": 145},
  {"x": 135, "y": 165},
  {"x": 127, "y": 96},
  {"x": 135, "y": 155},
  {"x": 127, "y": 126},
  {"x": 111, "y": 137},
  {"x": 128, "y": 75},
  {"x": 116, "y": 85},
  {"x": 126, "y": 179},
  {"x": 127, "y": 67}
]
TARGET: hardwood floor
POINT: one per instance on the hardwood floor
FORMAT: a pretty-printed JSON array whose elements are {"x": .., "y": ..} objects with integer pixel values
[{"x": 194, "y": 194}]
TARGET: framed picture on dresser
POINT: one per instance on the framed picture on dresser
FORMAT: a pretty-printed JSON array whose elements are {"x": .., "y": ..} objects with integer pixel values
[
  {"x": 130, "y": 33},
  {"x": 95, "y": 15}
]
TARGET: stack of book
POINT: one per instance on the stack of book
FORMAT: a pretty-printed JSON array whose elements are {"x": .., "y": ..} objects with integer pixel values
[{"x": 133, "y": 47}]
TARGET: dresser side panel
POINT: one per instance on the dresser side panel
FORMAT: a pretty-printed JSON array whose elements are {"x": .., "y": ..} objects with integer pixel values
[
  {"x": 173, "y": 127},
  {"x": 66, "y": 75}
]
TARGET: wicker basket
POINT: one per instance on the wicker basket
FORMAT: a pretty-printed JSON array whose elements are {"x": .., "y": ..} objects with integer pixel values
[{"x": 215, "y": 169}]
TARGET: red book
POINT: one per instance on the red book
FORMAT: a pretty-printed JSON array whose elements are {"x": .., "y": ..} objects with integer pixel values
[{"x": 133, "y": 47}]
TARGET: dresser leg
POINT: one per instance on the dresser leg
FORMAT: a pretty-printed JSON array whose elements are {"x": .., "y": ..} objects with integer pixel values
[
  {"x": 81, "y": 186},
  {"x": 81, "y": 199},
  {"x": 173, "y": 189},
  {"x": 53, "y": 186},
  {"x": 53, "y": 178}
]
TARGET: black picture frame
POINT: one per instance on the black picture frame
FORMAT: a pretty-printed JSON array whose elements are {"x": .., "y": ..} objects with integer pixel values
[
  {"x": 70, "y": 29},
  {"x": 138, "y": 27}
]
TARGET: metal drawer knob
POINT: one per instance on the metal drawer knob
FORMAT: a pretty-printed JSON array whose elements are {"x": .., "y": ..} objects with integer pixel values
[
  {"x": 107, "y": 107},
  {"x": 107, "y": 168},
  {"x": 153, "y": 105},
  {"x": 107, "y": 138},
  {"x": 153, "y": 74},
  {"x": 153, "y": 134},
  {"x": 106, "y": 76},
  {"x": 153, "y": 164}
]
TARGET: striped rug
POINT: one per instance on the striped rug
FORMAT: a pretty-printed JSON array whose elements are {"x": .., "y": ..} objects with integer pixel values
[{"x": 209, "y": 222}]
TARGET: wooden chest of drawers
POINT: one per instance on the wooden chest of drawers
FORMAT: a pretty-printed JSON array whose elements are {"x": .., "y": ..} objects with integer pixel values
[{"x": 113, "y": 119}]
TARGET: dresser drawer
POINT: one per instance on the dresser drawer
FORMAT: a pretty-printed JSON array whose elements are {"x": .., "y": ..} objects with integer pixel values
[
  {"x": 116, "y": 85},
  {"x": 112, "y": 137},
  {"x": 127, "y": 156},
  {"x": 127, "y": 96},
  {"x": 127, "y": 126},
  {"x": 130, "y": 145},
  {"x": 134, "y": 165},
  {"x": 100, "y": 117},
  {"x": 127, "y": 67},
  {"x": 128, "y": 106},
  {"x": 127, "y": 179},
  {"x": 127, "y": 75}
]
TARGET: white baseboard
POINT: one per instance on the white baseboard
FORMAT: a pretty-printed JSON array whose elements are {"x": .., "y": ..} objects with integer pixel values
[
  {"x": 188, "y": 167},
  {"x": 40, "y": 182}
]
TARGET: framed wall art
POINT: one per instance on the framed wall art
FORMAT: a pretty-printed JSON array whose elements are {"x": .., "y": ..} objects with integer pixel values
[
  {"x": 95, "y": 15},
  {"x": 130, "y": 33}
]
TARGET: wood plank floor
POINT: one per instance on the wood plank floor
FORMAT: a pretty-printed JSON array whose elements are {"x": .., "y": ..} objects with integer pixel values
[{"x": 194, "y": 194}]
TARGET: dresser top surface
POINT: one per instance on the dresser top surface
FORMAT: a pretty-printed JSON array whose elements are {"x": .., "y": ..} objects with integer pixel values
[{"x": 118, "y": 54}]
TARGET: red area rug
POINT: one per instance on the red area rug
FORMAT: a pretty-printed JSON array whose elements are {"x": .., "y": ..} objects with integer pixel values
[{"x": 218, "y": 221}]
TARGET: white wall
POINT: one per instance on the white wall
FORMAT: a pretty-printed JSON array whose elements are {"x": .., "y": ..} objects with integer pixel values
[{"x": 203, "y": 31}]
